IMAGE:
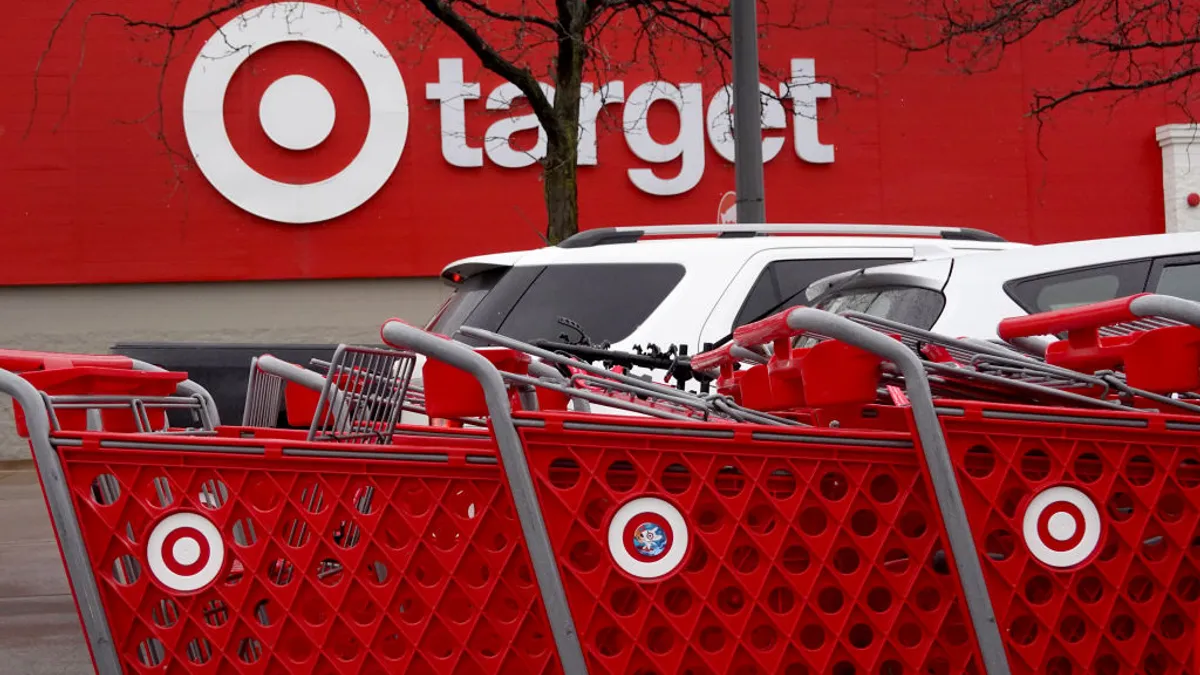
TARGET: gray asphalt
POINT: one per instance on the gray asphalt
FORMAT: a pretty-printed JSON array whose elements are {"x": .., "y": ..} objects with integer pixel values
[{"x": 39, "y": 629}]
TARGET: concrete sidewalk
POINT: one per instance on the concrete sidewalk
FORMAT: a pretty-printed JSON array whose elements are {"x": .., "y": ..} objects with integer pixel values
[{"x": 39, "y": 628}]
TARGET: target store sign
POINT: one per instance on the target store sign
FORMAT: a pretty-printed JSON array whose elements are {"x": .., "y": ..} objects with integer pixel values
[
  {"x": 321, "y": 141},
  {"x": 298, "y": 113}
]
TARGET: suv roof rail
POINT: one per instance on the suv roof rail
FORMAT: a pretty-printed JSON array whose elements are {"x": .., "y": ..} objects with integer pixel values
[{"x": 625, "y": 235}]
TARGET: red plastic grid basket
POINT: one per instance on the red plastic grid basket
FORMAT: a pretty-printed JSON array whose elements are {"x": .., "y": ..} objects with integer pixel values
[
  {"x": 1113, "y": 511},
  {"x": 331, "y": 565},
  {"x": 801, "y": 557}
]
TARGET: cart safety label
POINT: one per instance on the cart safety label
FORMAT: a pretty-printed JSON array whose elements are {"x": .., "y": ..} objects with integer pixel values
[
  {"x": 1062, "y": 527},
  {"x": 185, "y": 552},
  {"x": 648, "y": 538}
]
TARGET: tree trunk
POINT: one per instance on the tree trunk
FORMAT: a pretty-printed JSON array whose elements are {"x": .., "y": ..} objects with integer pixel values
[
  {"x": 559, "y": 182},
  {"x": 559, "y": 168}
]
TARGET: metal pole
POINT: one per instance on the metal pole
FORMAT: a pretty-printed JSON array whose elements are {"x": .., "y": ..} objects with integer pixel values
[{"x": 747, "y": 121}]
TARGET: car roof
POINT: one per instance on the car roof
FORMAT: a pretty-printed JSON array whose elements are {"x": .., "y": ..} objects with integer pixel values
[
  {"x": 1012, "y": 264},
  {"x": 685, "y": 248}
]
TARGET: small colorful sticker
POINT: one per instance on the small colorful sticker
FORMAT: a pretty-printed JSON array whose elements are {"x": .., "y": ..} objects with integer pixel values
[{"x": 650, "y": 540}]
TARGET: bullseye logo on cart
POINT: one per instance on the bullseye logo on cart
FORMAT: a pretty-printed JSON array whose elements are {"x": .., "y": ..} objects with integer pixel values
[
  {"x": 1062, "y": 527},
  {"x": 297, "y": 112},
  {"x": 648, "y": 538},
  {"x": 185, "y": 552}
]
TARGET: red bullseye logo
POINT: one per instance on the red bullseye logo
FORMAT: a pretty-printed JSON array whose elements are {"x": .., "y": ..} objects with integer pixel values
[
  {"x": 1062, "y": 527},
  {"x": 298, "y": 113},
  {"x": 648, "y": 538},
  {"x": 185, "y": 552}
]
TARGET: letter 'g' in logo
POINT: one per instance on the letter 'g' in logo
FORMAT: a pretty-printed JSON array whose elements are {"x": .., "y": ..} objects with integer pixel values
[{"x": 296, "y": 112}]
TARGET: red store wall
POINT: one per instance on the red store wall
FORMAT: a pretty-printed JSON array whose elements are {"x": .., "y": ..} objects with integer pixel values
[{"x": 99, "y": 186}]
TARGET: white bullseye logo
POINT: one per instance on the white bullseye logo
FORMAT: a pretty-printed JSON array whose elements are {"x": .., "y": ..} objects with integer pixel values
[
  {"x": 185, "y": 552},
  {"x": 282, "y": 103},
  {"x": 1062, "y": 527},
  {"x": 296, "y": 112},
  {"x": 648, "y": 538}
]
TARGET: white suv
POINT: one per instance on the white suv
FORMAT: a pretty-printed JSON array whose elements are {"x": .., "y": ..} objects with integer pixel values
[
  {"x": 682, "y": 285},
  {"x": 967, "y": 296}
]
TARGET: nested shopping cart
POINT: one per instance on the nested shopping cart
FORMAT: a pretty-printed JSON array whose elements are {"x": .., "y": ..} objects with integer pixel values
[{"x": 857, "y": 497}]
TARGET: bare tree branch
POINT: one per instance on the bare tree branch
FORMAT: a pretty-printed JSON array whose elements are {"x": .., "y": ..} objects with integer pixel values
[
  {"x": 505, "y": 16},
  {"x": 1131, "y": 46},
  {"x": 172, "y": 27},
  {"x": 37, "y": 69},
  {"x": 492, "y": 60}
]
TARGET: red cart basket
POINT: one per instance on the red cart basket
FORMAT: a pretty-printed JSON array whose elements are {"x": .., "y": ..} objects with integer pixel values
[{"x": 934, "y": 506}]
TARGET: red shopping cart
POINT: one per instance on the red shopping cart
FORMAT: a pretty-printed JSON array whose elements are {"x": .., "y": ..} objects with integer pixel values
[{"x": 931, "y": 506}]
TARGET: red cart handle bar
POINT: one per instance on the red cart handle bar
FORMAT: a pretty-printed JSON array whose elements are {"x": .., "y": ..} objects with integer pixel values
[{"x": 1119, "y": 310}]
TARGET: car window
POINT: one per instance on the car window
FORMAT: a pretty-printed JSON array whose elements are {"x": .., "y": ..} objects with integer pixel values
[
  {"x": 1182, "y": 281},
  {"x": 607, "y": 301},
  {"x": 465, "y": 298},
  {"x": 911, "y": 305},
  {"x": 1048, "y": 292},
  {"x": 781, "y": 284}
]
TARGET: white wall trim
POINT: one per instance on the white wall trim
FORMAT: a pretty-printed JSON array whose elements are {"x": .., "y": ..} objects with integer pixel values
[{"x": 1180, "y": 145}]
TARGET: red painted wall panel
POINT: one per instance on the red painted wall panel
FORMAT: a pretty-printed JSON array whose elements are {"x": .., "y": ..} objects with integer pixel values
[{"x": 91, "y": 192}]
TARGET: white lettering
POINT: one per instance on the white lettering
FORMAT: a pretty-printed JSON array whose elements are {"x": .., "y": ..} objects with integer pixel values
[
  {"x": 720, "y": 122},
  {"x": 695, "y": 121},
  {"x": 498, "y": 142},
  {"x": 590, "y": 104},
  {"x": 452, "y": 94},
  {"x": 804, "y": 90},
  {"x": 688, "y": 145}
]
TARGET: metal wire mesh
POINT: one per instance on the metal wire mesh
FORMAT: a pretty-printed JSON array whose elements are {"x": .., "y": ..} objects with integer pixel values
[
  {"x": 264, "y": 398},
  {"x": 141, "y": 409},
  {"x": 1137, "y": 326},
  {"x": 365, "y": 391}
]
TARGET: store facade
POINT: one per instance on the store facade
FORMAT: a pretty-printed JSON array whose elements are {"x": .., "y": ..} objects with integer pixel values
[{"x": 305, "y": 152}]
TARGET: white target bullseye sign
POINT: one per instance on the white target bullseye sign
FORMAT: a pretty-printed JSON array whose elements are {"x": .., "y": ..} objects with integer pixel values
[
  {"x": 648, "y": 538},
  {"x": 1062, "y": 527},
  {"x": 296, "y": 112},
  {"x": 185, "y": 552}
]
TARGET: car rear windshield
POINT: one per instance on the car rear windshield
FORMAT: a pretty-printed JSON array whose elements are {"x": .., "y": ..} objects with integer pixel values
[
  {"x": 911, "y": 305},
  {"x": 465, "y": 298},
  {"x": 606, "y": 301}
]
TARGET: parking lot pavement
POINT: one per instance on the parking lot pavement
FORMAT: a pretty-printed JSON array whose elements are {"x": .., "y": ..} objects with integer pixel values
[{"x": 39, "y": 629}]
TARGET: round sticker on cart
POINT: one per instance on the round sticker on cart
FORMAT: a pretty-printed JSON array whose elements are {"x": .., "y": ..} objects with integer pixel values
[
  {"x": 1062, "y": 527},
  {"x": 185, "y": 552},
  {"x": 648, "y": 538}
]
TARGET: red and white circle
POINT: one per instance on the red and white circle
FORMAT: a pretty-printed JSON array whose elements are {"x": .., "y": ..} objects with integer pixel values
[
  {"x": 296, "y": 112},
  {"x": 185, "y": 552},
  {"x": 1062, "y": 527},
  {"x": 648, "y": 538}
]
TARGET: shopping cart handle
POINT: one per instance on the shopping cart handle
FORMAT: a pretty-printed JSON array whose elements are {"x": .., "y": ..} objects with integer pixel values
[
  {"x": 770, "y": 329},
  {"x": 290, "y": 372},
  {"x": 727, "y": 354},
  {"x": 1095, "y": 315},
  {"x": 21, "y": 361},
  {"x": 713, "y": 359}
]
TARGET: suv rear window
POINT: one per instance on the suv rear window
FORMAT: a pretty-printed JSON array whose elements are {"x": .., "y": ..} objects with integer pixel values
[
  {"x": 781, "y": 284},
  {"x": 607, "y": 301},
  {"x": 911, "y": 305},
  {"x": 1079, "y": 287},
  {"x": 465, "y": 298}
]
